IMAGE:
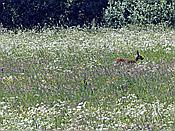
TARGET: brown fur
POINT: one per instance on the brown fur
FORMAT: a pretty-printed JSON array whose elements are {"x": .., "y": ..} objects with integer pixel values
[{"x": 125, "y": 60}]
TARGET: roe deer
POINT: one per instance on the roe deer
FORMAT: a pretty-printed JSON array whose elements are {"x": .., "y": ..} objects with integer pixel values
[{"x": 125, "y": 60}]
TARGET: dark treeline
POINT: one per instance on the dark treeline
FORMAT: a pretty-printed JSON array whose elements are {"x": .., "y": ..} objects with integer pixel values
[
  {"x": 114, "y": 13},
  {"x": 83, "y": 12},
  {"x": 40, "y": 13},
  {"x": 32, "y": 13}
]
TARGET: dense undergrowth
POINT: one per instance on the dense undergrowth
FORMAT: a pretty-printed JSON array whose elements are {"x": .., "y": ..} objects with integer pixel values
[{"x": 67, "y": 80}]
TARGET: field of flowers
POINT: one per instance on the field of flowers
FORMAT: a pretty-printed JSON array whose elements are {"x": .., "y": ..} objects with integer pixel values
[{"x": 67, "y": 80}]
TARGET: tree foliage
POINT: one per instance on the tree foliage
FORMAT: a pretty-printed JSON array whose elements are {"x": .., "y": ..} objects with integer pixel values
[
  {"x": 83, "y": 12},
  {"x": 32, "y": 13},
  {"x": 113, "y": 13},
  {"x": 122, "y": 12}
]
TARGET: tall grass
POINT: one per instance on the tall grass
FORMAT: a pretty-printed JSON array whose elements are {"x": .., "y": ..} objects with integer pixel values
[{"x": 67, "y": 80}]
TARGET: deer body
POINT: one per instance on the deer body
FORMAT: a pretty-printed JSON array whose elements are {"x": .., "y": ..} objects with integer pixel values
[{"x": 125, "y": 60}]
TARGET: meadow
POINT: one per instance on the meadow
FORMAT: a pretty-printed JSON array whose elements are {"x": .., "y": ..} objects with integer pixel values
[{"x": 67, "y": 80}]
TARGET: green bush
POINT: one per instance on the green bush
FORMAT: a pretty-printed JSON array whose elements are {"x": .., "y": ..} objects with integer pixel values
[{"x": 122, "y": 12}]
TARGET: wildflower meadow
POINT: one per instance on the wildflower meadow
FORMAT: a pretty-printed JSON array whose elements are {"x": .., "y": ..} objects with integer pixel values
[{"x": 67, "y": 79}]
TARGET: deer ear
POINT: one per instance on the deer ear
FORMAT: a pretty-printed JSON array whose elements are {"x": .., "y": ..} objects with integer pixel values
[
  {"x": 142, "y": 57},
  {"x": 138, "y": 52}
]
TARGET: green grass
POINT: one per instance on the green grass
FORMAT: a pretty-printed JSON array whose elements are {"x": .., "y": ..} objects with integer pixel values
[{"x": 67, "y": 80}]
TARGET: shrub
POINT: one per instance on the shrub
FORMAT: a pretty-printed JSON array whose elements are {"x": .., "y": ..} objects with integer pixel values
[{"x": 122, "y": 12}]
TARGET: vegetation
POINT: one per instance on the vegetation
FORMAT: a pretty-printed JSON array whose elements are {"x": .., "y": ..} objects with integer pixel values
[
  {"x": 123, "y": 12},
  {"x": 67, "y": 80},
  {"x": 27, "y": 14},
  {"x": 15, "y": 14}
]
